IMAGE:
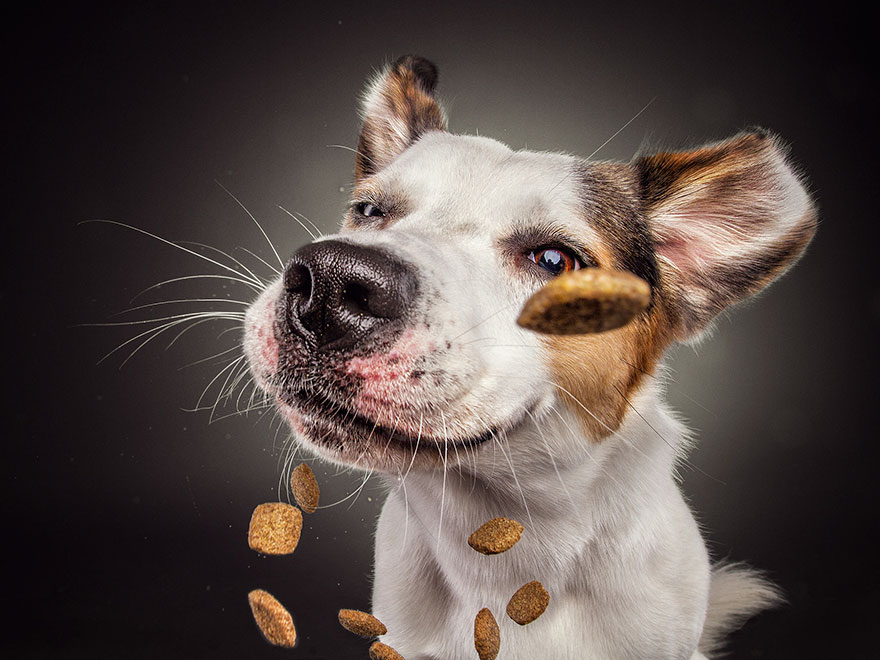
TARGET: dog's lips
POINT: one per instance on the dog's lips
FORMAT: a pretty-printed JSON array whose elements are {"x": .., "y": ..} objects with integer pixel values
[
  {"x": 349, "y": 435},
  {"x": 318, "y": 410}
]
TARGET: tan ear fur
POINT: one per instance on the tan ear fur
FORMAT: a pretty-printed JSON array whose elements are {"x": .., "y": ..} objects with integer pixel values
[
  {"x": 726, "y": 219},
  {"x": 398, "y": 108}
]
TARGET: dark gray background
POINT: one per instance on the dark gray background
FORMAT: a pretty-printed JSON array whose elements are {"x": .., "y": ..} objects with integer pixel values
[{"x": 127, "y": 515}]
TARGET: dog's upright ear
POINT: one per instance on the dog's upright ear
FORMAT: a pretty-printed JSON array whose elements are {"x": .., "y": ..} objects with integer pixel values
[
  {"x": 398, "y": 107},
  {"x": 726, "y": 220}
]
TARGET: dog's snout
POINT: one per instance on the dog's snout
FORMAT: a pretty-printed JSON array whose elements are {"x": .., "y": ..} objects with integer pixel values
[{"x": 339, "y": 294}]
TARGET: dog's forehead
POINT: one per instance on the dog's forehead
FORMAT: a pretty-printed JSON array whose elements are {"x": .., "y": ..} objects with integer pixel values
[{"x": 478, "y": 183}]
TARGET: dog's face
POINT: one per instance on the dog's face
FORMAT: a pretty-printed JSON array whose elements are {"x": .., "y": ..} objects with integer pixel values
[{"x": 393, "y": 344}]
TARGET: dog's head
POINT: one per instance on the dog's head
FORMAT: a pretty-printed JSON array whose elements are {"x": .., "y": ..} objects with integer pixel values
[{"x": 393, "y": 344}]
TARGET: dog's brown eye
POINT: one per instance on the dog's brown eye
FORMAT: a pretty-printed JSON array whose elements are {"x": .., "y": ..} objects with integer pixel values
[
  {"x": 555, "y": 260},
  {"x": 369, "y": 210}
]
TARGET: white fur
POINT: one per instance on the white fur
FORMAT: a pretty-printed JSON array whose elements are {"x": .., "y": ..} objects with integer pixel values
[{"x": 607, "y": 530}]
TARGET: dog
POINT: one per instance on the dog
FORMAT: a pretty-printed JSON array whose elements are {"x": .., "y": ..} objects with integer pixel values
[{"x": 392, "y": 347}]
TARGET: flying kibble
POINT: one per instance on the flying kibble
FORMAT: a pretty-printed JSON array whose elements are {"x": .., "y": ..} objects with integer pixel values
[
  {"x": 496, "y": 536},
  {"x": 274, "y": 621},
  {"x": 487, "y": 636},
  {"x": 275, "y": 528},
  {"x": 585, "y": 301},
  {"x": 380, "y": 651},
  {"x": 528, "y": 603},
  {"x": 361, "y": 623},
  {"x": 305, "y": 488}
]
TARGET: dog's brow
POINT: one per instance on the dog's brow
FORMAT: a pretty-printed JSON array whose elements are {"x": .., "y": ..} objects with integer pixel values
[{"x": 543, "y": 235}]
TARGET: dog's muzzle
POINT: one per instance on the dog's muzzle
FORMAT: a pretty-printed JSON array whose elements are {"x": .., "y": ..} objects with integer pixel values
[{"x": 338, "y": 295}]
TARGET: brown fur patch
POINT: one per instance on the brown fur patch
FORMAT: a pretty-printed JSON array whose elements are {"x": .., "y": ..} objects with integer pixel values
[{"x": 601, "y": 372}]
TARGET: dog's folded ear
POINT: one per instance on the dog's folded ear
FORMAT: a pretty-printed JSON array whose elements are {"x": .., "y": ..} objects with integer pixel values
[
  {"x": 398, "y": 107},
  {"x": 726, "y": 220}
]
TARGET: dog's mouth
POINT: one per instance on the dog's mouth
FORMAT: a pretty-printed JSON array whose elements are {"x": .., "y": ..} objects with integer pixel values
[{"x": 343, "y": 434}]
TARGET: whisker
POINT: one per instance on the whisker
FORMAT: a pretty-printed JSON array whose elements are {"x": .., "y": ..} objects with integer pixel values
[
  {"x": 223, "y": 393},
  {"x": 239, "y": 316},
  {"x": 300, "y": 222},
  {"x": 601, "y": 146},
  {"x": 254, "y": 281},
  {"x": 491, "y": 316},
  {"x": 260, "y": 259},
  {"x": 251, "y": 216},
  {"x": 231, "y": 365},
  {"x": 553, "y": 461},
  {"x": 230, "y": 257},
  {"x": 515, "y": 480},
  {"x": 185, "y": 330},
  {"x": 622, "y": 128},
  {"x": 352, "y": 494},
  {"x": 403, "y": 483},
  {"x": 194, "y": 277},
  {"x": 153, "y": 333},
  {"x": 683, "y": 459},
  {"x": 172, "y": 321},
  {"x": 314, "y": 226},
  {"x": 443, "y": 490},
  {"x": 210, "y": 357},
  {"x": 182, "y": 301},
  {"x": 354, "y": 151},
  {"x": 575, "y": 436}
]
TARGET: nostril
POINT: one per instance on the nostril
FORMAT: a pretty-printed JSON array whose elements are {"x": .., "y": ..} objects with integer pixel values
[
  {"x": 356, "y": 299},
  {"x": 298, "y": 281}
]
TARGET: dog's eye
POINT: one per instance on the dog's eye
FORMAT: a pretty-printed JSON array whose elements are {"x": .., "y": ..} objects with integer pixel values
[
  {"x": 369, "y": 210},
  {"x": 555, "y": 260}
]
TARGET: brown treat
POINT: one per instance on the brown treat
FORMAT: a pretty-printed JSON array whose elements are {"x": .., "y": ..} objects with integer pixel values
[
  {"x": 305, "y": 488},
  {"x": 380, "y": 651},
  {"x": 361, "y": 623},
  {"x": 584, "y": 301},
  {"x": 274, "y": 621},
  {"x": 528, "y": 603},
  {"x": 497, "y": 535},
  {"x": 275, "y": 528},
  {"x": 487, "y": 636}
]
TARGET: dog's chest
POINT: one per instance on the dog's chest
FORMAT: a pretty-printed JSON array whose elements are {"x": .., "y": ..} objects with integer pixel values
[{"x": 428, "y": 593}]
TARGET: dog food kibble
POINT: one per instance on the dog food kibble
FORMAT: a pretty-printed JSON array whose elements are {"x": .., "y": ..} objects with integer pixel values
[
  {"x": 275, "y": 528},
  {"x": 528, "y": 603},
  {"x": 495, "y": 536},
  {"x": 305, "y": 488},
  {"x": 487, "y": 636},
  {"x": 584, "y": 301},
  {"x": 380, "y": 651},
  {"x": 274, "y": 621},
  {"x": 361, "y": 623}
]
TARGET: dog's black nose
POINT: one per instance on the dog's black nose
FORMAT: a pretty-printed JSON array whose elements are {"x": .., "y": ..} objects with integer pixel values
[{"x": 338, "y": 294}]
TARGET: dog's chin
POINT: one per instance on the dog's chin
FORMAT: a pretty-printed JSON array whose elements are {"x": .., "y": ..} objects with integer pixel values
[{"x": 346, "y": 437}]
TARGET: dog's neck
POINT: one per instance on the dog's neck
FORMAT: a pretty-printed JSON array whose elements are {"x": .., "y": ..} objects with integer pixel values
[{"x": 599, "y": 493}]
